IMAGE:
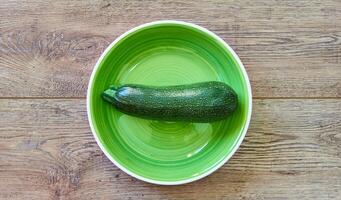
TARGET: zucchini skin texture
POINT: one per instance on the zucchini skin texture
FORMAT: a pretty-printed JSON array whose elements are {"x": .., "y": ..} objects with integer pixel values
[{"x": 199, "y": 102}]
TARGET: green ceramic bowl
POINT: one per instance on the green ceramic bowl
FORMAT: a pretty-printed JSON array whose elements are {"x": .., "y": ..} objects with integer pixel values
[{"x": 167, "y": 53}]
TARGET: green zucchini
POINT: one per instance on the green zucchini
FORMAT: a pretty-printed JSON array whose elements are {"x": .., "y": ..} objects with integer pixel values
[{"x": 198, "y": 102}]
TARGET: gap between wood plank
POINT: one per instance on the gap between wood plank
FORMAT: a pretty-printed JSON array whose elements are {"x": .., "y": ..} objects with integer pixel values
[{"x": 65, "y": 98}]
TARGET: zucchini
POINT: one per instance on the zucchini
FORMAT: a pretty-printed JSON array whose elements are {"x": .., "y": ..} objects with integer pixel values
[{"x": 198, "y": 102}]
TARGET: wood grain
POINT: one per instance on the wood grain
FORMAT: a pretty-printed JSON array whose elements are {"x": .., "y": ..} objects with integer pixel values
[
  {"x": 292, "y": 151},
  {"x": 291, "y": 51},
  {"x": 289, "y": 48}
]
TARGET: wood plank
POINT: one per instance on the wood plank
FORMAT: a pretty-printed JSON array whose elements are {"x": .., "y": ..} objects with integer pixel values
[
  {"x": 289, "y": 48},
  {"x": 292, "y": 151}
]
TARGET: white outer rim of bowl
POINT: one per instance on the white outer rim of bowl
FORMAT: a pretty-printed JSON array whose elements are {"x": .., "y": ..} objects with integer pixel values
[{"x": 236, "y": 146}]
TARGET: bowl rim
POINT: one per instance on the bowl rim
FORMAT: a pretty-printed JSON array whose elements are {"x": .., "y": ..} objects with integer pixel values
[{"x": 222, "y": 162}]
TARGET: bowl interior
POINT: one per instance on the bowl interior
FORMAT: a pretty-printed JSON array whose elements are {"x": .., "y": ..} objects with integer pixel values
[{"x": 167, "y": 54}]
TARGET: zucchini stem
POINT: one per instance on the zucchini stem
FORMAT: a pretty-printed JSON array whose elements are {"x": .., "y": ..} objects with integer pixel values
[{"x": 109, "y": 94}]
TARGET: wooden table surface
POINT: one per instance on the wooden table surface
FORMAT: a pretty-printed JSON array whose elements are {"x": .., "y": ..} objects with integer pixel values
[{"x": 291, "y": 51}]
